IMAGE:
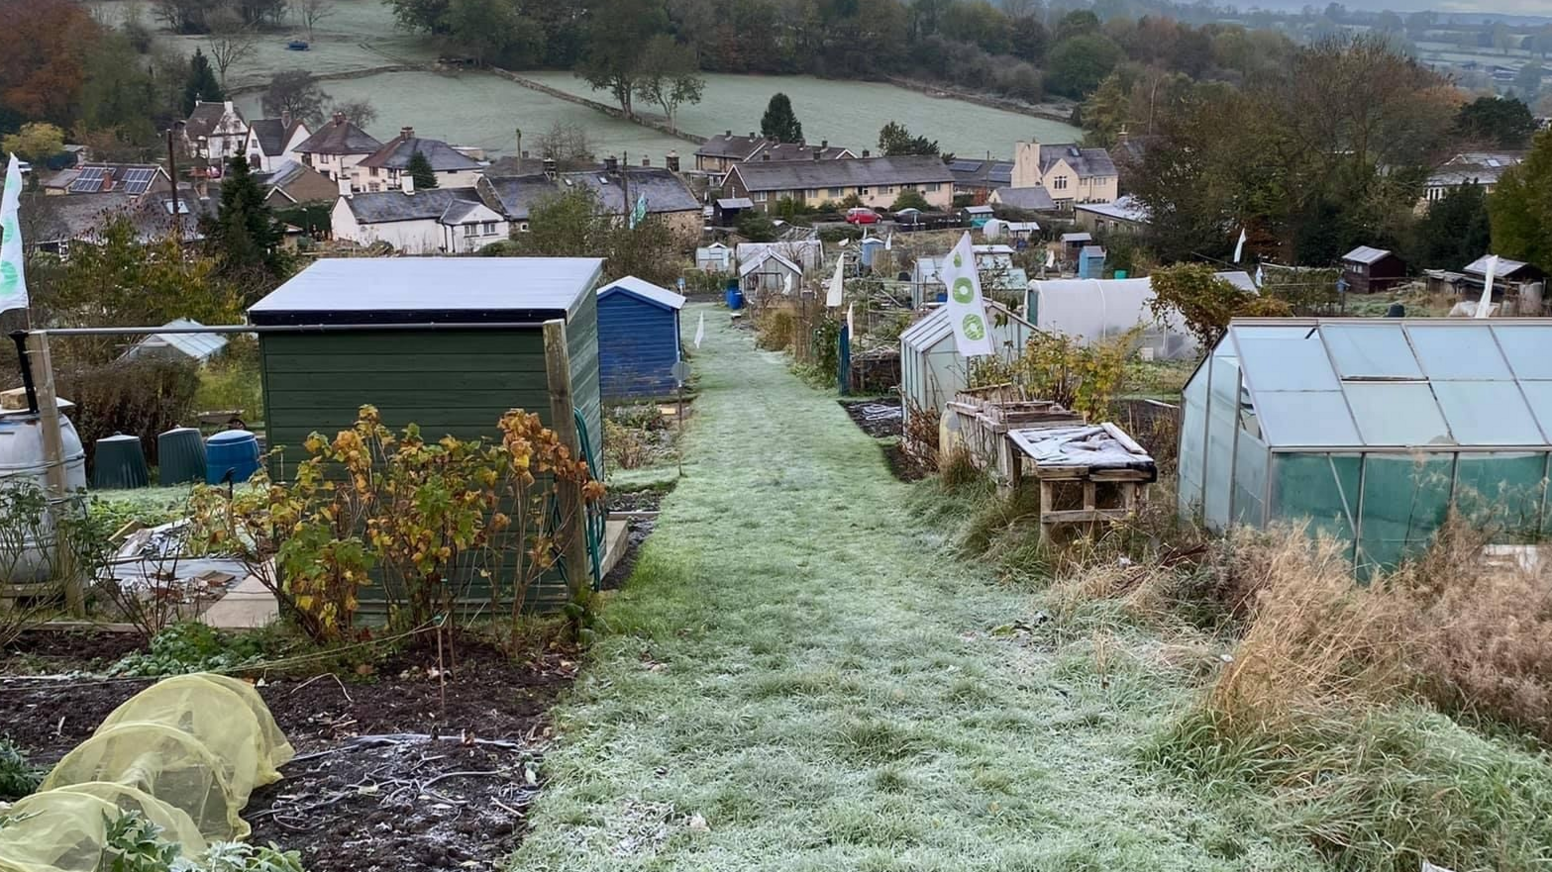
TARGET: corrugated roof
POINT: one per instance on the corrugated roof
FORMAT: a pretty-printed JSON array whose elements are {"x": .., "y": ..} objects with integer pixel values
[
  {"x": 796, "y": 175},
  {"x": 1506, "y": 267},
  {"x": 1366, "y": 254},
  {"x": 430, "y": 289},
  {"x": 645, "y": 290}
]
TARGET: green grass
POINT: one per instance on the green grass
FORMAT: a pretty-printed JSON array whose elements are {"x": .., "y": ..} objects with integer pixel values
[
  {"x": 847, "y": 113},
  {"x": 799, "y": 664}
]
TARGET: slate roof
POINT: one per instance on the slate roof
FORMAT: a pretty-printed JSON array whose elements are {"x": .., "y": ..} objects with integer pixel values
[
  {"x": 396, "y": 154},
  {"x": 726, "y": 145},
  {"x": 1086, "y": 162},
  {"x": 272, "y": 134},
  {"x": 428, "y": 205},
  {"x": 665, "y": 191},
  {"x": 981, "y": 173},
  {"x": 1366, "y": 254},
  {"x": 203, "y": 120},
  {"x": 1033, "y": 199},
  {"x": 797, "y": 175},
  {"x": 517, "y": 195},
  {"x": 340, "y": 136}
]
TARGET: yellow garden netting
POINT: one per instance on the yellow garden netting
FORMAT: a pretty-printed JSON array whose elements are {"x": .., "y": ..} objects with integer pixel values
[{"x": 185, "y": 753}]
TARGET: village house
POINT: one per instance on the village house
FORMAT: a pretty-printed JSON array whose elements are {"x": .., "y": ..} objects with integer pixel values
[
  {"x": 290, "y": 183},
  {"x": 383, "y": 169},
  {"x": 1367, "y": 269},
  {"x": 875, "y": 181},
  {"x": 721, "y": 153},
  {"x": 1480, "y": 168},
  {"x": 976, "y": 177},
  {"x": 336, "y": 147},
  {"x": 133, "y": 180},
  {"x": 436, "y": 221},
  {"x": 273, "y": 140},
  {"x": 515, "y": 196},
  {"x": 620, "y": 189},
  {"x": 1035, "y": 199},
  {"x": 214, "y": 133},
  {"x": 1068, "y": 173},
  {"x": 1126, "y": 215}
]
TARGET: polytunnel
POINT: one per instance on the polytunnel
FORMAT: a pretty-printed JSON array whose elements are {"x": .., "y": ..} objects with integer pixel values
[{"x": 1371, "y": 430}]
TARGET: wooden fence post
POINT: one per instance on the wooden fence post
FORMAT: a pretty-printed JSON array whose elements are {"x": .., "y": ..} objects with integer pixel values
[
  {"x": 56, "y": 476},
  {"x": 557, "y": 363}
]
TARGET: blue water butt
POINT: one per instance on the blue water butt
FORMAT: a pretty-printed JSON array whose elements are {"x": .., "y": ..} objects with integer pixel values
[
  {"x": 235, "y": 451},
  {"x": 735, "y": 298}
]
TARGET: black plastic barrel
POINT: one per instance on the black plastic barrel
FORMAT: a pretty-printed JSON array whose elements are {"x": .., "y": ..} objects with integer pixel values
[
  {"x": 180, "y": 454},
  {"x": 120, "y": 463}
]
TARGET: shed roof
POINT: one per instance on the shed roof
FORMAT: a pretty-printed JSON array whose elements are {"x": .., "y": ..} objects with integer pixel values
[
  {"x": 1123, "y": 208},
  {"x": 754, "y": 263},
  {"x": 198, "y": 346},
  {"x": 1366, "y": 254},
  {"x": 1506, "y": 268},
  {"x": 1396, "y": 383},
  {"x": 645, "y": 290},
  {"x": 412, "y": 290}
]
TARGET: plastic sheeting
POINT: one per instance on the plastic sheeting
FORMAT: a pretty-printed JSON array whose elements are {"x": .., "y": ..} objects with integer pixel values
[
  {"x": 185, "y": 753},
  {"x": 1089, "y": 446},
  {"x": 1097, "y": 309}
]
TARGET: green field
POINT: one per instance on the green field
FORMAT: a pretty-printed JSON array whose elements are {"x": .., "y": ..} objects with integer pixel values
[{"x": 848, "y": 113}]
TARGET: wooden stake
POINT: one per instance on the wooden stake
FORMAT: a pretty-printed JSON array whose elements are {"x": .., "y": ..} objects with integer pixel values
[
  {"x": 56, "y": 477},
  {"x": 557, "y": 363}
]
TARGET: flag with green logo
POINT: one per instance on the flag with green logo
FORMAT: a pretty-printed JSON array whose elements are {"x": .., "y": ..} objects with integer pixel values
[
  {"x": 966, "y": 311},
  {"x": 13, "y": 283},
  {"x": 639, "y": 213}
]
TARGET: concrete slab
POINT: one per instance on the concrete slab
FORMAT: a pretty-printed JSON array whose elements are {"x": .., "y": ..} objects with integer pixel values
[
  {"x": 247, "y": 606},
  {"x": 616, "y": 538}
]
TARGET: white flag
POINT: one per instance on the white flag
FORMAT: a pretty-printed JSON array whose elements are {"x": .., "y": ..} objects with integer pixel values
[
  {"x": 13, "y": 280},
  {"x": 700, "y": 331},
  {"x": 1239, "y": 247},
  {"x": 1485, "y": 305},
  {"x": 837, "y": 286},
  {"x": 843, "y": 242},
  {"x": 1050, "y": 258},
  {"x": 966, "y": 311},
  {"x": 1260, "y": 276},
  {"x": 787, "y": 285},
  {"x": 851, "y": 323},
  {"x": 889, "y": 241}
]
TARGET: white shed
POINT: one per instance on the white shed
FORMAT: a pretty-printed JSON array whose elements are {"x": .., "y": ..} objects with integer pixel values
[
  {"x": 715, "y": 257},
  {"x": 769, "y": 272},
  {"x": 1096, "y": 309},
  {"x": 931, "y": 367}
]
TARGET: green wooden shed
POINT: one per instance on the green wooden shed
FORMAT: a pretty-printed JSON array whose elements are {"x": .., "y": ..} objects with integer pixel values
[{"x": 448, "y": 343}]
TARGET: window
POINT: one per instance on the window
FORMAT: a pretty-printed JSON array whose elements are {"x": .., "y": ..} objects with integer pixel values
[
  {"x": 933, "y": 187},
  {"x": 759, "y": 196},
  {"x": 862, "y": 192},
  {"x": 1059, "y": 183},
  {"x": 887, "y": 189},
  {"x": 837, "y": 193},
  {"x": 375, "y": 172},
  {"x": 471, "y": 230},
  {"x": 523, "y": 227},
  {"x": 489, "y": 228},
  {"x": 374, "y": 187}
]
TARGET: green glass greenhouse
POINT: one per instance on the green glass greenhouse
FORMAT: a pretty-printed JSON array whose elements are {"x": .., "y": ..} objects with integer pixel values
[{"x": 1371, "y": 429}]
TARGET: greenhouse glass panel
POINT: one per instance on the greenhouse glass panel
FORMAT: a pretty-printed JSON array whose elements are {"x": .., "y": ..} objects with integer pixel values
[
  {"x": 1250, "y": 461},
  {"x": 1502, "y": 492},
  {"x": 1222, "y": 425},
  {"x": 1284, "y": 359},
  {"x": 1397, "y": 414},
  {"x": 1370, "y": 351},
  {"x": 1405, "y": 499},
  {"x": 1526, "y": 346},
  {"x": 1193, "y": 442},
  {"x": 1539, "y": 395},
  {"x": 1456, "y": 352},
  {"x": 1487, "y": 413},
  {"x": 1319, "y": 488},
  {"x": 1306, "y": 418}
]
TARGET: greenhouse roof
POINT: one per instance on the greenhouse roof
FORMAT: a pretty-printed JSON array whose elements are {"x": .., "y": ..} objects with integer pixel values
[{"x": 1396, "y": 383}]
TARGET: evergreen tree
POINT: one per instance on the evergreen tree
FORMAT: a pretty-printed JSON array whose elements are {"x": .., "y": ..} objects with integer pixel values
[
  {"x": 1518, "y": 207},
  {"x": 780, "y": 122},
  {"x": 201, "y": 84},
  {"x": 420, "y": 171},
  {"x": 244, "y": 234}
]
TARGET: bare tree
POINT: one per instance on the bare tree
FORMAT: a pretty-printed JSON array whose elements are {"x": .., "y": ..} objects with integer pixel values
[
  {"x": 567, "y": 144},
  {"x": 311, "y": 12},
  {"x": 359, "y": 112},
  {"x": 231, "y": 41}
]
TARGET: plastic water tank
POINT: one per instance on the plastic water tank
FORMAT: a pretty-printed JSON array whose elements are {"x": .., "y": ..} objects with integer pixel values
[
  {"x": 119, "y": 462},
  {"x": 232, "y": 451},
  {"x": 22, "y": 464},
  {"x": 180, "y": 456}
]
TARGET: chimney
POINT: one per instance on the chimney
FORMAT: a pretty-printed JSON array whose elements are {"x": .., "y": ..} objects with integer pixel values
[
  {"x": 866, "y": 153},
  {"x": 344, "y": 187},
  {"x": 611, "y": 165},
  {"x": 549, "y": 168},
  {"x": 229, "y": 106},
  {"x": 672, "y": 161},
  {"x": 817, "y": 153},
  {"x": 646, "y": 161},
  {"x": 751, "y": 134},
  {"x": 824, "y": 143},
  {"x": 765, "y": 155},
  {"x": 407, "y": 184},
  {"x": 406, "y": 133},
  {"x": 728, "y": 133},
  {"x": 524, "y": 155},
  {"x": 285, "y": 118},
  {"x": 339, "y": 118}
]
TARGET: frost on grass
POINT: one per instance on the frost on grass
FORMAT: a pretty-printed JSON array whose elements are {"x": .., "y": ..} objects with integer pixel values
[{"x": 832, "y": 696}]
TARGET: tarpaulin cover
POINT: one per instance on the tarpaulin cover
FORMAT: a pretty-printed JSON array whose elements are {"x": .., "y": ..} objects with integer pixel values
[
  {"x": 1088, "y": 446},
  {"x": 184, "y": 753}
]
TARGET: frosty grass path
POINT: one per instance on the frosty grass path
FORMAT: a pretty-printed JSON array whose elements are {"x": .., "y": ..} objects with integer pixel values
[{"x": 796, "y": 678}]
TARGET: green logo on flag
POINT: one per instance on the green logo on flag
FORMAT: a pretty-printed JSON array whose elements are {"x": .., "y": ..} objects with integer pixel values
[
  {"x": 959, "y": 260},
  {"x": 974, "y": 327},
  {"x": 964, "y": 291}
]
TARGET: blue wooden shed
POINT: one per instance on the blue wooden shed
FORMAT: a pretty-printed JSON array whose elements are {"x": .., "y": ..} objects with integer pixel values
[{"x": 638, "y": 338}]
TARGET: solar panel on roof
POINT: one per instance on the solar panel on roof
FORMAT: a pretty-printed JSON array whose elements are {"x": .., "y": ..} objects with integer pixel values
[
  {"x": 89, "y": 181},
  {"x": 138, "y": 181}
]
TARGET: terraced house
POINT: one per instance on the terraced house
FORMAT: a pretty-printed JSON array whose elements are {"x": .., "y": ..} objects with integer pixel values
[
  {"x": 725, "y": 151},
  {"x": 386, "y": 168},
  {"x": 875, "y": 181}
]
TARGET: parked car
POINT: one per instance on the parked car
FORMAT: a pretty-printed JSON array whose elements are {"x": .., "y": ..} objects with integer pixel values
[{"x": 861, "y": 215}]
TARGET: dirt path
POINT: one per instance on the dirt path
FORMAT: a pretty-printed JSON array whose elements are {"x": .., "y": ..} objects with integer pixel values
[{"x": 797, "y": 678}]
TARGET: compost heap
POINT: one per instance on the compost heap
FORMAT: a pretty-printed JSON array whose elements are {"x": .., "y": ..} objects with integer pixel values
[{"x": 184, "y": 753}]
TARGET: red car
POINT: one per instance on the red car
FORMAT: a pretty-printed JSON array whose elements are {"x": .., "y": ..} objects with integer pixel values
[{"x": 860, "y": 215}]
